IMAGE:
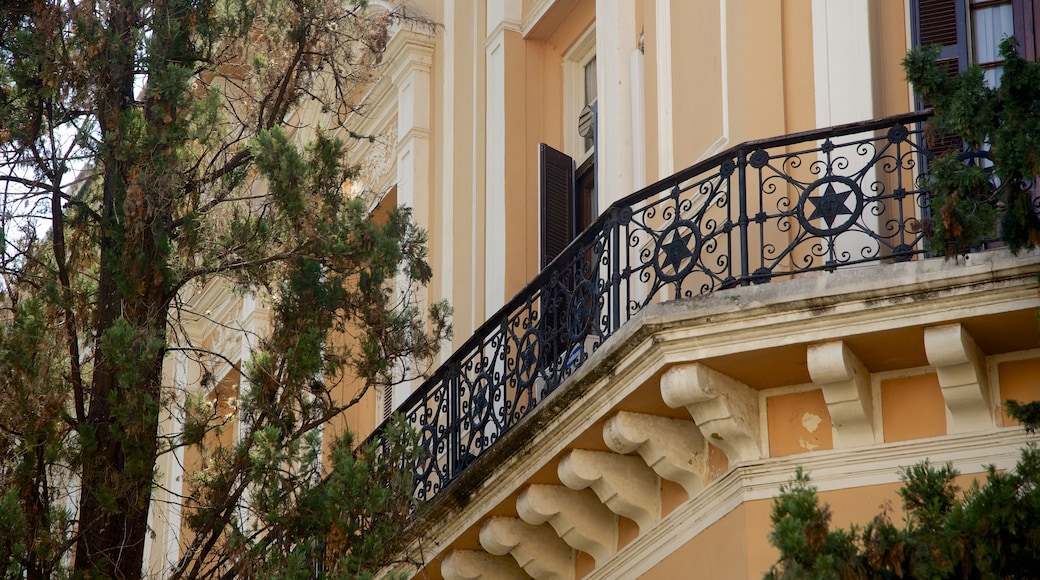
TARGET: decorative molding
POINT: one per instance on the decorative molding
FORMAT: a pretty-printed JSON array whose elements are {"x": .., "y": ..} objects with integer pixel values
[
  {"x": 962, "y": 374},
  {"x": 578, "y": 517},
  {"x": 381, "y": 157},
  {"x": 673, "y": 448},
  {"x": 535, "y": 15},
  {"x": 622, "y": 482},
  {"x": 537, "y": 549},
  {"x": 846, "y": 389},
  {"x": 725, "y": 409},
  {"x": 478, "y": 565},
  {"x": 830, "y": 470}
]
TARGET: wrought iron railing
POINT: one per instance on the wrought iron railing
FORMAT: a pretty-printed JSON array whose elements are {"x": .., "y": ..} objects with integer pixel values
[{"x": 809, "y": 202}]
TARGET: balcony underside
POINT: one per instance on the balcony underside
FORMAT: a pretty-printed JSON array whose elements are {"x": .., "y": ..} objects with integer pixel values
[{"x": 699, "y": 407}]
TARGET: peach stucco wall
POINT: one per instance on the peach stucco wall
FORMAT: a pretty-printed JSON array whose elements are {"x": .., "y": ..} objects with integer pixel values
[
  {"x": 912, "y": 408},
  {"x": 737, "y": 545},
  {"x": 1019, "y": 380},
  {"x": 798, "y": 423}
]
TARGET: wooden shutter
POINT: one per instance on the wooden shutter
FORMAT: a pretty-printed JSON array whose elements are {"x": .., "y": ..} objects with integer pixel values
[
  {"x": 388, "y": 401},
  {"x": 1027, "y": 28},
  {"x": 944, "y": 22},
  {"x": 556, "y": 182}
]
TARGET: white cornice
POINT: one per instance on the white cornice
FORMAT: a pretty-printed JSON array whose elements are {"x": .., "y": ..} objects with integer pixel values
[
  {"x": 535, "y": 15},
  {"x": 495, "y": 34}
]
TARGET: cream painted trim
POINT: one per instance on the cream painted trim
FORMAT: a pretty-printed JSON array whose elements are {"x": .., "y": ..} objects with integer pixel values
[
  {"x": 723, "y": 139},
  {"x": 502, "y": 16},
  {"x": 494, "y": 185},
  {"x": 638, "y": 63},
  {"x": 829, "y": 470},
  {"x": 993, "y": 373},
  {"x": 574, "y": 61},
  {"x": 665, "y": 137},
  {"x": 535, "y": 15},
  {"x": 616, "y": 38},
  {"x": 478, "y": 207},
  {"x": 1013, "y": 356},
  {"x": 446, "y": 195},
  {"x": 907, "y": 20},
  {"x": 665, "y": 133},
  {"x": 842, "y": 54},
  {"x": 499, "y": 29}
]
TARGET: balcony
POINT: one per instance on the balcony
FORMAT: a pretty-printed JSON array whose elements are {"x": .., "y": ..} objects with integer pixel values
[{"x": 802, "y": 205}]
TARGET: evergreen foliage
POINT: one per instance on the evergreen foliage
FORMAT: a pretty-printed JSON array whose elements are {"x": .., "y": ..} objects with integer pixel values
[
  {"x": 990, "y": 530},
  {"x": 986, "y": 192},
  {"x": 986, "y": 531},
  {"x": 152, "y": 149}
]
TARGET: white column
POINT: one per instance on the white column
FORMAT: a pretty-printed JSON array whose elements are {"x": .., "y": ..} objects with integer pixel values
[
  {"x": 411, "y": 56},
  {"x": 411, "y": 76},
  {"x": 445, "y": 270},
  {"x": 843, "y": 75},
  {"x": 503, "y": 17},
  {"x": 616, "y": 38},
  {"x": 638, "y": 119},
  {"x": 665, "y": 152}
]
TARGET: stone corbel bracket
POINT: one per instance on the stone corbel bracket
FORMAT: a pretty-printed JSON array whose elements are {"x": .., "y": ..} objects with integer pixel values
[
  {"x": 537, "y": 549},
  {"x": 477, "y": 565},
  {"x": 673, "y": 448},
  {"x": 846, "y": 389},
  {"x": 622, "y": 482},
  {"x": 725, "y": 409},
  {"x": 961, "y": 367},
  {"x": 578, "y": 517}
]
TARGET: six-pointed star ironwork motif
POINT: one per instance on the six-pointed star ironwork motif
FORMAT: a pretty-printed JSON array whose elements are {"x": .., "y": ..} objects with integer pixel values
[
  {"x": 677, "y": 250},
  {"x": 830, "y": 205}
]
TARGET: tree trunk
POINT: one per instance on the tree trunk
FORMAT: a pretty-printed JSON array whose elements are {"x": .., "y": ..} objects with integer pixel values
[{"x": 119, "y": 444}]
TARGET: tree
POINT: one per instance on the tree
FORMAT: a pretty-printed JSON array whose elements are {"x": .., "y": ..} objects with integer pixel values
[
  {"x": 988, "y": 531},
  {"x": 147, "y": 148},
  {"x": 986, "y": 190}
]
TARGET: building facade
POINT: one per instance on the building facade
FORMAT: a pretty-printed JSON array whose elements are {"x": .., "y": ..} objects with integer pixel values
[{"x": 684, "y": 246}]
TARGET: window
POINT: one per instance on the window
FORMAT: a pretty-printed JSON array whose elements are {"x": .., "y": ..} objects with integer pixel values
[
  {"x": 567, "y": 180},
  {"x": 990, "y": 23},
  {"x": 970, "y": 31}
]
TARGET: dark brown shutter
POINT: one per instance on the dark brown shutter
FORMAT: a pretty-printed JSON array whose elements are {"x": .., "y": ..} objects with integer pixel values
[
  {"x": 1027, "y": 27},
  {"x": 556, "y": 181},
  {"x": 944, "y": 22},
  {"x": 938, "y": 21}
]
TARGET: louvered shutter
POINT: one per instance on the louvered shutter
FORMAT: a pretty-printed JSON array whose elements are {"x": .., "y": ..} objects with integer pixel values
[
  {"x": 944, "y": 22},
  {"x": 388, "y": 401},
  {"x": 556, "y": 181}
]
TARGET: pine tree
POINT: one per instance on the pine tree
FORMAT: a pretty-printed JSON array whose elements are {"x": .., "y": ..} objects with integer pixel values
[
  {"x": 146, "y": 149},
  {"x": 990, "y": 530}
]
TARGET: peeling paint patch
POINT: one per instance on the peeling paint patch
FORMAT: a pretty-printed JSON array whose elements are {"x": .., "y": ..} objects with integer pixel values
[
  {"x": 811, "y": 422},
  {"x": 808, "y": 445}
]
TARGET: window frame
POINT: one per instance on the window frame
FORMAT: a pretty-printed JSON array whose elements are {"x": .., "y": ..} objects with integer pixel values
[{"x": 574, "y": 61}]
